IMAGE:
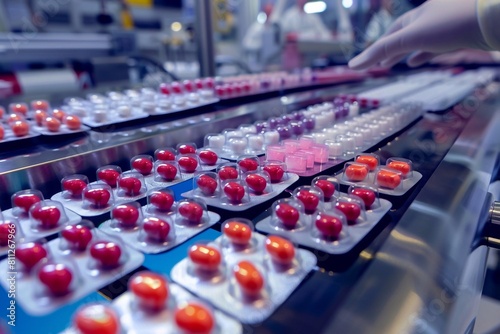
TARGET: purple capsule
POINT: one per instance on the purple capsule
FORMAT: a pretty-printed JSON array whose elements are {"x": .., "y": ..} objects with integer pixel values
[
  {"x": 309, "y": 123},
  {"x": 259, "y": 126},
  {"x": 284, "y": 132},
  {"x": 337, "y": 102},
  {"x": 297, "y": 128},
  {"x": 298, "y": 115},
  {"x": 285, "y": 119},
  {"x": 273, "y": 123}
]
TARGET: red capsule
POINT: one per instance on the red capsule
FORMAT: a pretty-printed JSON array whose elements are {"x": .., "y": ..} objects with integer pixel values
[
  {"x": 281, "y": 250},
  {"x": 248, "y": 278},
  {"x": 205, "y": 257}
]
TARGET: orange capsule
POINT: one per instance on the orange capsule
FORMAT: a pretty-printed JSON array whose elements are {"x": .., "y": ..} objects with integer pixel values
[
  {"x": 238, "y": 233},
  {"x": 249, "y": 278},
  {"x": 369, "y": 160},
  {"x": 401, "y": 166},
  {"x": 96, "y": 318},
  {"x": 194, "y": 318},
  {"x": 40, "y": 116},
  {"x": 388, "y": 179},
  {"x": 52, "y": 124},
  {"x": 40, "y": 105},
  {"x": 150, "y": 289},
  {"x": 2, "y": 112},
  {"x": 73, "y": 122},
  {"x": 14, "y": 117},
  {"x": 205, "y": 257},
  {"x": 280, "y": 250},
  {"x": 355, "y": 172},
  {"x": 20, "y": 108},
  {"x": 59, "y": 114}
]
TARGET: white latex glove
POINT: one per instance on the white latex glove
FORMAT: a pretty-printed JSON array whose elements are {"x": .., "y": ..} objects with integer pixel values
[{"x": 436, "y": 27}]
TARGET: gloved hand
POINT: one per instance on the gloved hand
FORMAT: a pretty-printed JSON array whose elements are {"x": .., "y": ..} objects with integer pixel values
[{"x": 436, "y": 27}]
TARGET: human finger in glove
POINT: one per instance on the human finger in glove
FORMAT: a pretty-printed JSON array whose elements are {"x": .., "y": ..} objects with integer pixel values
[{"x": 436, "y": 27}]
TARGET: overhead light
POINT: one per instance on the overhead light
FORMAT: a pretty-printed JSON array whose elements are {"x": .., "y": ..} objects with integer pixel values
[
  {"x": 176, "y": 26},
  {"x": 347, "y": 3},
  {"x": 315, "y": 7}
]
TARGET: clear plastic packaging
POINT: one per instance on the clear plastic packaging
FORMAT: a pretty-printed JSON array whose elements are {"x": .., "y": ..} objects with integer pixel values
[
  {"x": 388, "y": 178},
  {"x": 311, "y": 197},
  {"x": 258, "y": 183},
  {"x": 55, "y": 278},
  {"x": 288, "y": 214},
  {"x": 98, "y": 197},
  {"x": 277, "y": 170},
  {"x": 161, "y": 202},
  {"x": 165, "y": 154},
  {"x": 75, "y": 238},
  {"x": 87, "y": 272},
  {"x": 29, "y": 253},
  {"x": 371, "y": 160},
  {"x": 368, "y": 194},
  {"x": 329, "y": 186},
  {"x": 142, "y": 164},
  {"x": 405, "y": 166},
  {"x": 208, "y": 157},
  {"x": 23, "y": 200},
  {"x": 248, "y": 285},
  {"x": 234, "y": 192},
  {"x": 352, "y": 207},
  {"x": 109, "y": 175},
  {"x": 74, "y": 185},
  {"x": 126, "y": 216},
  {"x": 215, "y": 141},
  {"x": 47, "y": 215},
  {"x": 206, "y": 184},
  {"x": 186, "y": 148},
  {"x": 167, "y": 171},
  {"x": 228, "y": 171},
  {"x": 131, "y": 185},
  {"x": 356, "y": 172},
  {"x": 191, "y": 212},
  {"x": 179, "y": 311},
  {"x": 328, "y": 229},
  {"x": 248, "y": 163},
  {"x": 188, "y": 163}
]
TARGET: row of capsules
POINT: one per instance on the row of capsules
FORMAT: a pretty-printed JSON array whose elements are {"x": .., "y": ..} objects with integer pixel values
[
  {"x": 115, "y": 185},
  {"x": 16, "y": 122},
  {"x": 249, "y": 84},
  {"x": 366, "y": 169},
  {"x": 340, "y": 140},
  {"x": 152, "y": 303},
  {"x": 255, "y": 138},
  {"x": 323, "y": 211},
  {"x": 126, "y": 105},
  {"x": 241, "y": 265},
  {"x": 241, "y": 182},
  {"x": 81, "y": 259}
]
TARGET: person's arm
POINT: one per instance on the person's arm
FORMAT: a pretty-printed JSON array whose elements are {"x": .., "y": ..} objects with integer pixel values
[{"x": 436, "y": 27}]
